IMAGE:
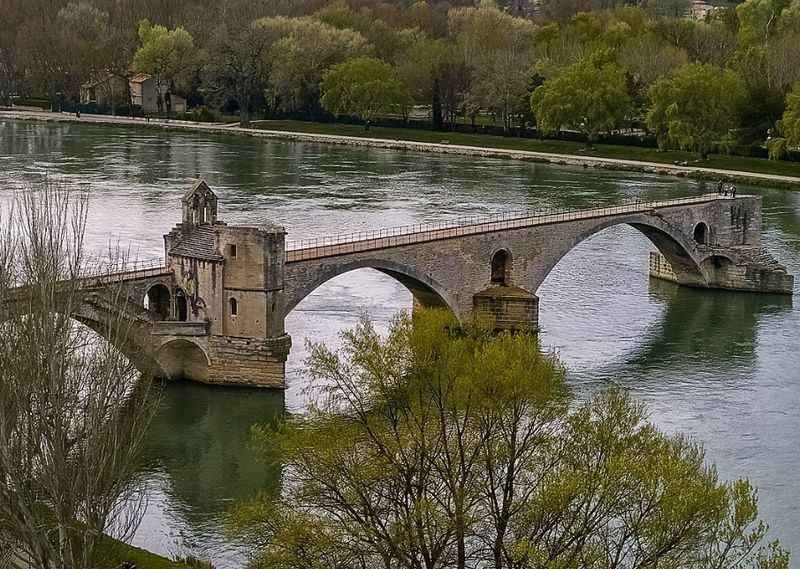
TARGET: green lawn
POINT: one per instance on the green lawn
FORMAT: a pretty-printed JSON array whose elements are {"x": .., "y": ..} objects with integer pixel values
[{"x": 725, "y": 162}]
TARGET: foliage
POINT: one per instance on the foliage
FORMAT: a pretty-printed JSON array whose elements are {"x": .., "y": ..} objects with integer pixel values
[
  {"x": 462, "y": 61},
  {"x": 695, "y": 107},
  {"x": 299, "y": 59},
  {"x": 759, "y": 20},
  {"x": 585, "y": 97},
  {"x": 446, "y": 446},
  {"x": 238, "y": 65},
  {"x": 500, "y": 65},
  {"x": 168, "y": 55},
  {"x": 790, "y": 124},
  {"x": 73, "y": 409},
  {"x": 364, "y": 87}
]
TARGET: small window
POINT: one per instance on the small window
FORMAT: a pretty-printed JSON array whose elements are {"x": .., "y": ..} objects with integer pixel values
[
  {"x": 234, "y": 307},
  {"x": 232, "y": 251}
]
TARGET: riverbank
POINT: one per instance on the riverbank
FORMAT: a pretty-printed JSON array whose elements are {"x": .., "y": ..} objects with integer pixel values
[
  {"x": 647, "y": 160},
  {"x": 114, "y": 553}
]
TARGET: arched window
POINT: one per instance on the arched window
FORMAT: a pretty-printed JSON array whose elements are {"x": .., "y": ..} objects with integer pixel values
[
  {"x": 234, "y": 307},
  {"x": 501, "y": 268},
  {"x": 701, "y": 233}
]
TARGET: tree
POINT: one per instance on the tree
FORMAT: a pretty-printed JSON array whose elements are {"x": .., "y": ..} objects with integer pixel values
[
  {"x": 696, "y": 107},
  {"x": 237, "y": 67},
  {"x": 299, "y": 59},
  {"x": 364, "y": 87},
  {"x": 100, "y": 52},
  {"x": 437, "y": 76},
  {"x": 789, "y": 126},
  {"x": 624, "y": 495},
  {"x": 586, "y": 97},
  {"x": 73, "y": 409},
  {"x": 445, "y": 446},
  {"x": 759, "y": 20},
  {"x": 501, "y": 64},
  {"x": 168, "y": 55}
]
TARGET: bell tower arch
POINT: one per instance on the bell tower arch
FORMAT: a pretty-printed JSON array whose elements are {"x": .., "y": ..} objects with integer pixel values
[{"x": 199, "y": 205}]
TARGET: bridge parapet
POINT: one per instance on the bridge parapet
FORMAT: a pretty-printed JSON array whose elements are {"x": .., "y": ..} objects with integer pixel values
[{"x": 337, "y": 245}]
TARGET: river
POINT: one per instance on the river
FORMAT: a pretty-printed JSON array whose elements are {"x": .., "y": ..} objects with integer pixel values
[{"x": 724, "y": 368}]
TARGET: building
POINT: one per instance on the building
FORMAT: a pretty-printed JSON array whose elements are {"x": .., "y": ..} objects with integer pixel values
[
  {"x": 144, "y": 94},
  {"x": 106, "y": 91},
  {"x": 140, "y": 90}
]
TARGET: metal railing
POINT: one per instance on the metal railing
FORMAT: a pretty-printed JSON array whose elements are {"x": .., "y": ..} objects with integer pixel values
[
  {"x": 123, "y": 268},
  {"x": 408, "y": 234}
]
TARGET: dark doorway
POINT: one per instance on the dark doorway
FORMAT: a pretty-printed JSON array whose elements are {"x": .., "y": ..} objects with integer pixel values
[
  {"x": 158, "y": 301},
  {"x": 501, "y": 268},
  {"x": 180, "y": 301},
  {"x": 701, "y": 233}
]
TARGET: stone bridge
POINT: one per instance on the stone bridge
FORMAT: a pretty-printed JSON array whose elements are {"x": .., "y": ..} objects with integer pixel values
[{"x": 214, "y": 310}]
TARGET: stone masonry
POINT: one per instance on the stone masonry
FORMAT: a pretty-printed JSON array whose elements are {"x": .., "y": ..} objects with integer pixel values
[{"x": 214, "y": 311}]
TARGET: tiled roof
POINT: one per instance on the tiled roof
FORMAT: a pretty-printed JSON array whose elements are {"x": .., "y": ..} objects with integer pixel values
[
  {"x": 198, "y": 243},
  {"x": 140, "y": 78}
]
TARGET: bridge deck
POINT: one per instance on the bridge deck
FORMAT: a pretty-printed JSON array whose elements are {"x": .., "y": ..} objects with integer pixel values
[
  {"x": 110, "y": 277},
  {"x": 408, "y": 235}
]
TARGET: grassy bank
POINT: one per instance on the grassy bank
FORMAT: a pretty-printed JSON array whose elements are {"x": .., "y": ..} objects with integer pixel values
[
  {"x": 723, "y": 162},
  {"x": 115, "y": 554}
]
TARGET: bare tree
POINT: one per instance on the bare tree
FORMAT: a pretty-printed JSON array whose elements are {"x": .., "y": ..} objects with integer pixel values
[{"x": 73, "y": 409}]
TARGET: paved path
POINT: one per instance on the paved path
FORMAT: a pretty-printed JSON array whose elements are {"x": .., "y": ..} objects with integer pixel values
[{"x": 443, "y": 148}]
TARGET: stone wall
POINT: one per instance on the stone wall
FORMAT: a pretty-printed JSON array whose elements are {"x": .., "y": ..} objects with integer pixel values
[{"x": 246, "y": 361}]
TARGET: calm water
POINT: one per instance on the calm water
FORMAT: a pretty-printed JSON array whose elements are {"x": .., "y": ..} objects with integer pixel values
[{"x": 721, "y": 367}]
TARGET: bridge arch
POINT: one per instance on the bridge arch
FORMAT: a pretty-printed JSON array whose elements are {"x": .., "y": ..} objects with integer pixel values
[
  {"x": 679, "y": 249},
  {"x": 425, "y": 289},
  {"x": 702, "y": 233},
  {"x": 183, "y": 359},
  {"x": 158, "y": 300},
  {"x": 501, "y": 267}
]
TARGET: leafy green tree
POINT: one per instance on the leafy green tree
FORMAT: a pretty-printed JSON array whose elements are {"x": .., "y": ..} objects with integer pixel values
[
  {"x": 168, "y": 55},
  {"x": 437, "y": 76},
  {"x": 501, "y": 64},
  {"x": 586, "y": 97},
  {"x": 789, "y": 126},
  {"x": 444, "y": 446},
  {"x": 696, "y": 107},
  {"x": 307, "y": 48},
  {"x": 364, "y": 87},
  {"x": 758, "y": 20}
]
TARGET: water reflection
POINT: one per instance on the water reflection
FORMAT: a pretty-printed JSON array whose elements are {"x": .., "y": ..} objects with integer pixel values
[
  {"x": 198, "y": 452},
  {"x": 712, "y": 328}
]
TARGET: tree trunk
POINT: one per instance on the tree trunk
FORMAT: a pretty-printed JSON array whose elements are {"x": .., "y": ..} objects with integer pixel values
[{"x": 436, "y": 108}]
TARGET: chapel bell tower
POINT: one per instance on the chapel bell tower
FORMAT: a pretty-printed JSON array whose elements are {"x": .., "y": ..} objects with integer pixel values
[{"x": 199, "y": 205}]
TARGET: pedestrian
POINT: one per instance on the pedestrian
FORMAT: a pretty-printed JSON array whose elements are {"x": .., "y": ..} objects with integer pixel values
[
  {"x": 720, "y": 187},
  {"x": 733, "y": 190}
]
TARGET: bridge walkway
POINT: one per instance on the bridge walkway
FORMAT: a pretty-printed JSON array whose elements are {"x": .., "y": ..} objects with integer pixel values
[{"x": 323, "y": 247}]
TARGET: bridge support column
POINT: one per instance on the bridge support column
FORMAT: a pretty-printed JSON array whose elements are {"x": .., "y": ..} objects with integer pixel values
[
  {"x": 755, "y": 271},
  {"x": 249, "y": 361},
  {"x": 511, "y": 308}
]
